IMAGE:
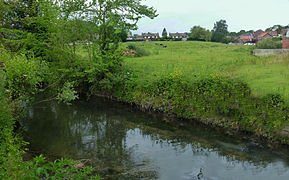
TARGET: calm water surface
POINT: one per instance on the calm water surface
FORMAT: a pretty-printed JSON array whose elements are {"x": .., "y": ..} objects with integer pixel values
[{"x": 123, "y": 143}]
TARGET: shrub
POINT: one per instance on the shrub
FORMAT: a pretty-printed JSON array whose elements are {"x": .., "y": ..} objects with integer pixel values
[
  {"x": 23, "y": 75},
  {"x": 270, "y": 43},
  {"x": 139, "y": 52},
  {"x": 40, "y": 168}
]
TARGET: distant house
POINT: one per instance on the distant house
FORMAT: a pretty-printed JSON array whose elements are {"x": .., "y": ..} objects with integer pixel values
[
  {"x": 139, "y": 38},
  {"x": 129, "y": 37},
  {"x": 150, "y": 36},
  {"x": 147, "y": 36},
  {"x": 178, "y": 35},
  {"x": 267, "y": 34},
  {"x": 273, "y": 33},
  {"x": 258, "y": 33},
  {"x": 246, "y": 37},
  {"x": 264, "y": 35}
]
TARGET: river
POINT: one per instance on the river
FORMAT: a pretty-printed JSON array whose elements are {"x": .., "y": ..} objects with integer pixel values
[{"x": 122, "y": 142}]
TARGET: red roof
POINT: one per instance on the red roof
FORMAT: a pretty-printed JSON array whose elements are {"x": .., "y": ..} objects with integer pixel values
[
  {"x": 262, "y": 35},
  {"x": 246, "y": 37}
]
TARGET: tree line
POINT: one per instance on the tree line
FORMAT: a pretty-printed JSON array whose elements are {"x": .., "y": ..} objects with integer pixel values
[{"x": 220, "y": 32}]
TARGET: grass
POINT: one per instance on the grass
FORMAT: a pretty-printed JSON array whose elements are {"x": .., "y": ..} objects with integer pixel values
[
  {"x": 218, "y": 84},
  {"x": 264, "y": 75}
]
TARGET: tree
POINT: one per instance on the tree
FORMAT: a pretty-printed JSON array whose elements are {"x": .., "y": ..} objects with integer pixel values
[
  {"x": 220, "y": 31},
  {"x": 200, "y": 34},
  {"x": 15, "y": 20},
  {"x": 164, "y": 33},
  {"x": 113, "y": 16}
]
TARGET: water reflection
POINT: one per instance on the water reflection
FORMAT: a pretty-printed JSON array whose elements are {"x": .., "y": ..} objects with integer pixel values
[{"x": 123, "y": 143}]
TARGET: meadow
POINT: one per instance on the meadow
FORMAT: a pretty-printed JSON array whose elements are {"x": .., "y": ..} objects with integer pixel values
[{"x": 264, "y": 75}]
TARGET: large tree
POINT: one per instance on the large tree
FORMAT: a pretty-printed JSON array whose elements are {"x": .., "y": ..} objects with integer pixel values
[
  {"x": 105, "y": 21},
  {"x": 220, "y": 31},
  {"x": 200, "y": 34}
]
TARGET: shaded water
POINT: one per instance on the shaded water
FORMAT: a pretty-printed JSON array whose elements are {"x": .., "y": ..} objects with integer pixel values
[{"x": 123, "y": 143}]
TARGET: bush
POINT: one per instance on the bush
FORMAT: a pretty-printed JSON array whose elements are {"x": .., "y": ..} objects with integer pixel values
[
  {"x": 139, "y": 52},
  {"x": 40, "y": 168},
  {"x": 270, "y": 43},
  {"x": 23, "y": 75}
]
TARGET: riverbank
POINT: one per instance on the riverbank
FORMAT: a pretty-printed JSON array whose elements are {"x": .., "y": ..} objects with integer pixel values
[
  {"x": 217, "y": 95},
  {"x": 214, "y": 101}
]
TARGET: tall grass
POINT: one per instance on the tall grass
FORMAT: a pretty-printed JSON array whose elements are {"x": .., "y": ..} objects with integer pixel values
[{"x": 265, "y": 75}]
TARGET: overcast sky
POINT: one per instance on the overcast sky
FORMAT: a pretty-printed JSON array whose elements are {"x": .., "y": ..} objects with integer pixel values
[{"x": 181, "y": 15}]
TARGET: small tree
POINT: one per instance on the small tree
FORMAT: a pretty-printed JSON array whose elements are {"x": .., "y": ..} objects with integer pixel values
[{"x": 164, "y": 33}]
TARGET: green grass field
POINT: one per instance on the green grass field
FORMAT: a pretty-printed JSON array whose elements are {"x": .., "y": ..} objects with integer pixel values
[{"x": 263, "y": 74}]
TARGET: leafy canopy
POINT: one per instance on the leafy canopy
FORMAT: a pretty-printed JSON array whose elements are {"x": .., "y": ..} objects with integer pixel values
[
  {"x": 201, "y": 34},
  {"x": 220, "y": 31}
]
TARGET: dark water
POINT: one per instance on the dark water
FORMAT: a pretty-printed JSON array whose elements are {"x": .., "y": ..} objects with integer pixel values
[{"x": 123, "y": 143}]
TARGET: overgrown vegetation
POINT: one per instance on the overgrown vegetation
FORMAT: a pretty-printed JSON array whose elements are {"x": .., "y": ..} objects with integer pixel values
[
  {"x": 20, "y": 80},
  {"x": 38, "y": 43},
  {"x": 213, "y": 99},
  {"x": 264, "y": 75},
  {"x": 138, "y": 51},
  {"x": 218, "y": 84},
  {"x": 270, "y": 43},
  {"x": 67, "y": 48}
]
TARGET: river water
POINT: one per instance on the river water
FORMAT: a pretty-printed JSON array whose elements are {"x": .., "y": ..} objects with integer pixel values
[{"x": 124, "y": 143}]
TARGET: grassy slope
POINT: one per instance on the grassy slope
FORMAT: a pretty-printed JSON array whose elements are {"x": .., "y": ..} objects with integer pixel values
[{"x": 263, "y": 74}]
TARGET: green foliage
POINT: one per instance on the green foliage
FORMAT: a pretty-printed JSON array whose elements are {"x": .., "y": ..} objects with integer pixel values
[
  {"x": 213, "y": 99},
  {"x": 139, "y": 52},
  {"x": 218, "y": 84},
  {"x": 269, "y": 43},
  {"x": 67, "y": 93},
  {"x": 164, "y": 33},
  {"x": 112, "y": 17},
  {"x": 23, "y": 75},
  {"x": 11, "y": 164},
  {"x": 220, "y": 31},
  {"x": 200, "y": 34},
  {"x": 40, "y": 168},
  {"x": 44, "y": 36},
  {"x": 264, "y": 75},
  {"x": 9, "y": 146}
]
